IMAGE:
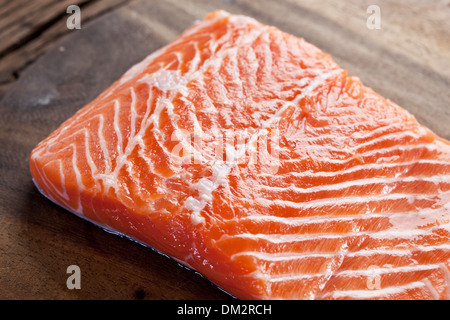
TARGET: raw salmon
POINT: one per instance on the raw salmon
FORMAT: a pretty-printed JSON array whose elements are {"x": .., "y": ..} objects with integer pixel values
[{"x": 250, "y": 156}]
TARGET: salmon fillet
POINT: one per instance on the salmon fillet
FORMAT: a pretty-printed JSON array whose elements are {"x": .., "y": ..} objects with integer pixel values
[{"x": 250, "y": 156}]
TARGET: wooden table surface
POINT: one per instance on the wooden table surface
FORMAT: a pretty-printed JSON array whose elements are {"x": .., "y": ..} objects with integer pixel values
[{"x": 48, "y": 72}]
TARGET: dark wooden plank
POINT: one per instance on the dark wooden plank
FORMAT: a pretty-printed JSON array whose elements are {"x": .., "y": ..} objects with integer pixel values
[
  {"x": 7, "y": 7},
  {"x": 27, "y": 17},
  {"x": 407, "y": 61},
  {"x": 35, "y": 26}
]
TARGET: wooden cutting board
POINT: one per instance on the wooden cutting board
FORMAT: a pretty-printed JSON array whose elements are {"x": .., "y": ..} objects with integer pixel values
[{"x": 407, "y": 61}]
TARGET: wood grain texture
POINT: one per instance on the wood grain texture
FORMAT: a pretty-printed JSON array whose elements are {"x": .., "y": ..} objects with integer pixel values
[
  {"x": 408, "y": 61},
  {"x": 29, "y": 28}
]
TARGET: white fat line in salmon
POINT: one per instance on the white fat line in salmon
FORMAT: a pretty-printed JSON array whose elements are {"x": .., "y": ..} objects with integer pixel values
[
  {"x": 103, "y": 144},
  {"x": 291, "y": 256},
  {"x": 376, "y": 293},
  {"x": 432, "y": 214},
  {"x": 90, "y": 161},
  {"x": 437, "y": 179},
  {"x": 370, "y": 274},
  {"x": 343, "y": 142},
  {"x": 325, "y": 132},
  {"x": 398, "y": 221},
  {"x": 336, "y": 273},
  {"x": 354, "y": 149},
  {"x": 375, "y": 235},
  {"x": 338, "y": 201},
  {"x": 361, "y": 167},
  {"x": 81, "y": 186},
  {"x": 396, "y": 148},
  {"x": 62, "y": 181},
  {"x": 117, "y": 129}
]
